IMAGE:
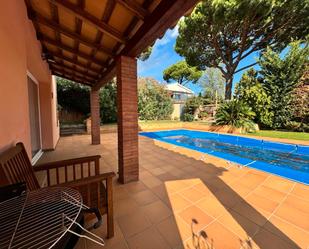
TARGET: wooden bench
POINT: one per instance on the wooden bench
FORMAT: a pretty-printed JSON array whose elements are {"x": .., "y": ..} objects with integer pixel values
[{"x": 82, "y": 174}]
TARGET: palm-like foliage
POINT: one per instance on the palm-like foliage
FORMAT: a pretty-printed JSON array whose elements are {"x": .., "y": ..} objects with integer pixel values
[{"x": 237, "y": 114}]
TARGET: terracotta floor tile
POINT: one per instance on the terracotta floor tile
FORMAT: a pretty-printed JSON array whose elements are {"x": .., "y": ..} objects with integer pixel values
[
  {"x": 239, "y": 224},
  {"x": 117, "y": 241},
  {"x": 178, "y": 202},
  {"x": 133, "y": 224},
  {"x": 157, "y": 211},
  {"x": 120, "y": 193},
  {"x": 270, "y": 193},
  {"x": 212, "y": 206},
  {"x": 251, "y": 179},
  {"x": 298, "y": 203},
  {"x": 151, "y": 181},
  {"x": 157, "y": 171},
  {"x": 279, "y": 183},
  {"x": 288, "y": 232},
  {"x": 301, "y": 191},
  {"x": 255, "y": 214},
  {"x": 175, "y": 186},
  {"x": 266, "y": 239},
  {"x": 145, "y": 197},
  {"x": 160, "y": 191},
  {"x": 125, "y": 206},
  {"x": 166, "y": 177},
  {"x": 135, "y": 187},
  {"x": 144, "y": 175},
  {"x": 148, "y": 239},
  {"x": 174, "y": 230},
  {"x": 266, "y": 204},
  {"x": 203, "y": 188},
  {"x": 192, "y": 194},
  {"x": 228, "y": 197},
  {"x": 221, "y": 237},
  {"x": 193, "y": 213},
  {"x": 240, "y": 189},
  {"x": 293, "y": 215}
]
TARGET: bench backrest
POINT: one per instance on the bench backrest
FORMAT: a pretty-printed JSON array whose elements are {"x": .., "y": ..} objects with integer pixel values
[{"x": 16, "y": 167}]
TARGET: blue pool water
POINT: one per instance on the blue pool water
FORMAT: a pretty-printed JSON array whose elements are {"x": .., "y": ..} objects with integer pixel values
[{"x": 287, "y": 160}]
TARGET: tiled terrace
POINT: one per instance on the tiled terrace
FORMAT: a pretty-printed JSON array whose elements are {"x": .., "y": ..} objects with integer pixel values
[{"x": 180, "y": 191}]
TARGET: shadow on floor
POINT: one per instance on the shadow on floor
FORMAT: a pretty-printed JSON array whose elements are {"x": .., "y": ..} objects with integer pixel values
[{"x": 228, "y": 198}]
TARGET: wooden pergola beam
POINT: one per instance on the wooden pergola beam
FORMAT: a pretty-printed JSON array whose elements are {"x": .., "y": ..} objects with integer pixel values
[
  {"x": 162, "y": 18},
  {"x": 135, "y": 8},
  {"x": 92, "y": 20},
  {"x": 55, "y": 26},
  {"x": 71, "y": 50},
  {"x": 59, "y": 56},
  {"x": 68, "y": 76},
  {"x": 61, "y": 65}
]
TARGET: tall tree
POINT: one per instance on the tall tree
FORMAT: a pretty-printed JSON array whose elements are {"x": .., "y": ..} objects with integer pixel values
[
  {"x": 212, "y": 83},
  {"x": 280, "y": 76},
  {"x": 300, "y": 100},
  {"x": 225, "y": 32},
  {"x": 182, "y": 73},
  {"x": 250, "y": 91}
]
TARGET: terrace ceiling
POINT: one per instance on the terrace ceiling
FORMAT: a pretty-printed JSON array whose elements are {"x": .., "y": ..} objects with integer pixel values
[{"x": 81, "y": 39}]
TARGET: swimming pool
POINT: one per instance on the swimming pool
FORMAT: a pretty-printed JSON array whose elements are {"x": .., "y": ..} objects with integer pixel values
[{"x": 287, "y": 160}]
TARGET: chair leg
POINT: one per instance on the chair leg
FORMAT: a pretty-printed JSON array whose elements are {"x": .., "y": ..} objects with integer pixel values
[{"x": 110, "y": 214}]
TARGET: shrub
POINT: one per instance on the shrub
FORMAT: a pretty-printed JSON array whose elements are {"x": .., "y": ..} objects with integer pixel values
[
  {"x": 187, "y": 117},
  {"x": 73, "y": 96},
  {"x": 154, "y": 102},
  {"x": 108, "y": 103},
  {"x": 76, "y": 97},
  {"x": 203, "y": 115},
  {"x": 190, "y": 107},
  {"x": 236, "y": 114},
  {"x": 297, "y": 126}
]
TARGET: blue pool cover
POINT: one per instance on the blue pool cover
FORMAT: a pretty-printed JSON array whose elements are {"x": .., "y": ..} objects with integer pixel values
[{"x": 287, "y": 160}]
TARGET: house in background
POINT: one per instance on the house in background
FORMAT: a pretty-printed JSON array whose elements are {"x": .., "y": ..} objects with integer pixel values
[{"x": 179, "y": 95}]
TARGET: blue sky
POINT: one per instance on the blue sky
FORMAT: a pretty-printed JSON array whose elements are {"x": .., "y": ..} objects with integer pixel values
[{"x": 163, "y": 55}]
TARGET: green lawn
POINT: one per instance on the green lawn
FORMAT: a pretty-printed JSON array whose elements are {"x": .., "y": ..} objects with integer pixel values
[{"x": 282, "y": 134}]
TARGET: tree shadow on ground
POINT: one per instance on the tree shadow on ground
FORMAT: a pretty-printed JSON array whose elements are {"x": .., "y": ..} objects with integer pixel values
[{"x": 226, "y": 197}]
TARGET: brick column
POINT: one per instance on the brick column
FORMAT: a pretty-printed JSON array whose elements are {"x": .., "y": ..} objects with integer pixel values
[
  {"x": 95, "y": 116},
  {"x": 127, "y": 119}
]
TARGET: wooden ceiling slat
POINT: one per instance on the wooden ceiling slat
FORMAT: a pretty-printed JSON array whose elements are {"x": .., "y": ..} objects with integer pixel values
[
  {"x": 73, "y": 69},
  {"x": 74, "y": 62},
  {"x": 72, "y": 74},
  {"x": 78, "y": 29},
  {"x": 65, "y": 76},
  {"x": 49, "y": 23},
  {"x": 163, "y": 17},
  {"x": 85, "y": 16},
  {"x": 71, "y": 50},
  {"x": 106, "y": 16},
  {"x": 134, "y": 7}
]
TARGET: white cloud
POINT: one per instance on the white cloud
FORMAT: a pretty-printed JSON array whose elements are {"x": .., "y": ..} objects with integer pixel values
[
  {"x": 169, "y": 36},
  {"x": 175, "y": 31}
]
